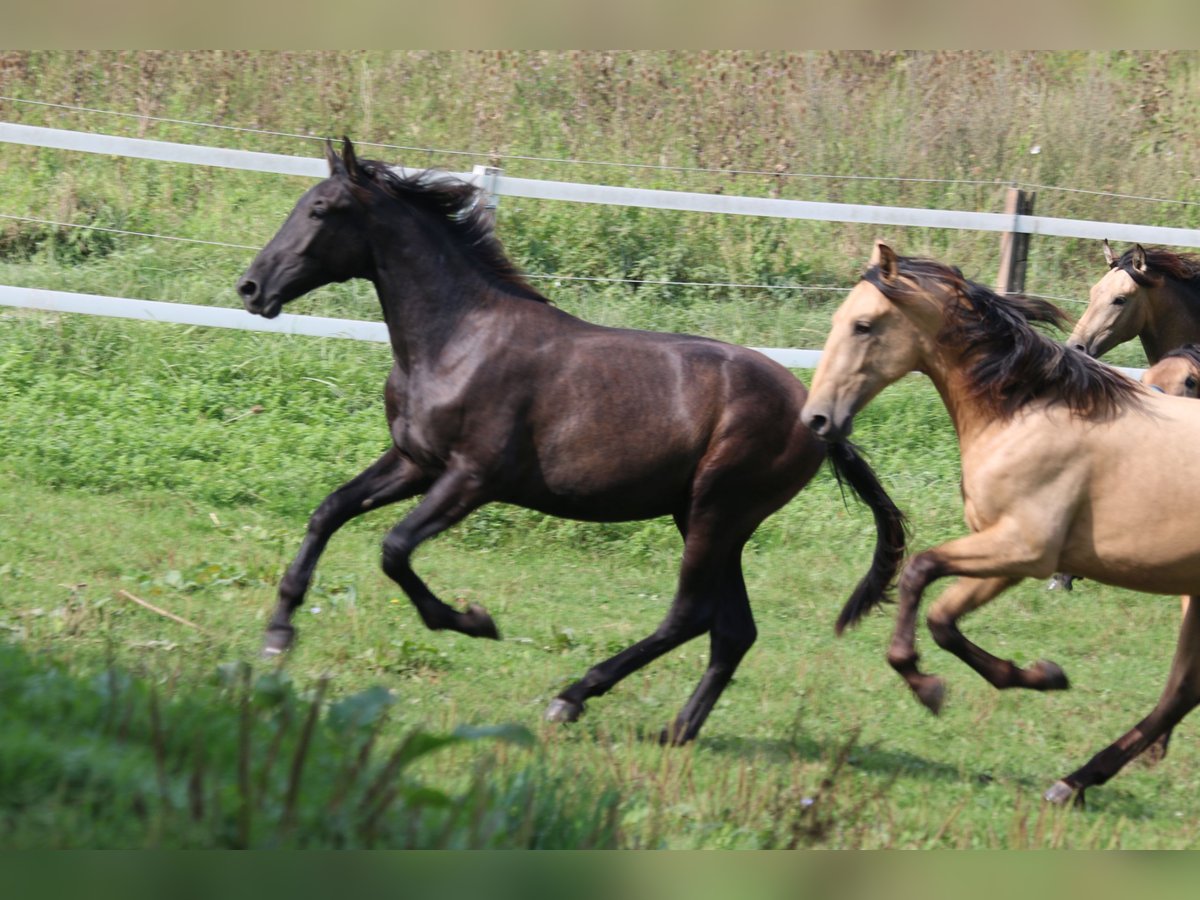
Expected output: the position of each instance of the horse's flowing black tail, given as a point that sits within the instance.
(891, 532)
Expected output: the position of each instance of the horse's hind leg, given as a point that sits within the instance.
(690, 615)
(389, 479)
(710, 596)
(451, 498)
(1157, 752)
(965, 595)
(732, 634)
(1181, 696)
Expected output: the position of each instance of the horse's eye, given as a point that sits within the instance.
(1118, 301)
(317, 212)
(1190, 383)
(862, 327)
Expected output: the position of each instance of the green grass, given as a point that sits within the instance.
(103, 493)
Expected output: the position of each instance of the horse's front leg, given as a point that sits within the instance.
(389, 479)
(991, 560)
(452, 497)
(965, 595)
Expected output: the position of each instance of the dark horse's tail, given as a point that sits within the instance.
(890, 532)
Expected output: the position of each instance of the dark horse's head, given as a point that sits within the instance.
(323, 240)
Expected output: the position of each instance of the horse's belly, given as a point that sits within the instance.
(1152, 545)
(606, 495)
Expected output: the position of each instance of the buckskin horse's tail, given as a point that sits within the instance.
(891, 531)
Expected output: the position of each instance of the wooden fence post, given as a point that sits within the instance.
(1014, 246)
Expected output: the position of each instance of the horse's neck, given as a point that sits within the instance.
(426, 288)
(949, 380)
(1173, 319)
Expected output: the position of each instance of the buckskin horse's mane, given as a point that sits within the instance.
(467, 220)
(1008, 362)
(1180, 267)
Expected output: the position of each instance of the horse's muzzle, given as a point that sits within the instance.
(255, 301)
(824, 427)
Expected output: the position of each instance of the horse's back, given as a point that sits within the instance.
(1131, 510)
(615, 410)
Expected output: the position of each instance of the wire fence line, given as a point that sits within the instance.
(601, 279)
(534, 275)
(699, 170)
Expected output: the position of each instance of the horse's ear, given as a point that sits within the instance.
(884, 257)
(1109, 256)
(1139, 259)
(331, 157)
(350, 161)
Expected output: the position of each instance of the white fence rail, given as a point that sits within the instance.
(680, 201)
(219, 317)
(504, 185)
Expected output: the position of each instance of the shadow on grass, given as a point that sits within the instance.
(866, 758)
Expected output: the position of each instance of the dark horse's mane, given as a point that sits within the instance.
(457, 203)
(1181, 267)
(1009, 363)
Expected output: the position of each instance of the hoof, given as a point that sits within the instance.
(931, 691)
(1061, 793)
(1048, 676)
(277, 642)
(674, 735)
(477, 623)
(561, 710)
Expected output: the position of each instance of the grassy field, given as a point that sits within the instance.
(179, 465)
(119, 478)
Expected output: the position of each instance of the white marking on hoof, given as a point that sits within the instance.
(1060, 792)
(561, 710)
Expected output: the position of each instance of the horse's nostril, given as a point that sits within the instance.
(818, 424)
(1080, 347)
(247, 289)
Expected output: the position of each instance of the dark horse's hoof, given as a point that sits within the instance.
(1061, 793)
(931, 691)
(277, 641)
(561, 710)
(476, 622)
(1048, 676)
(674, 735)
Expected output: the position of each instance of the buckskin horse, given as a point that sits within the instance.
(495, 395)
(1067, 465)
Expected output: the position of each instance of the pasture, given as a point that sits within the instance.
(815, 744)
(179, 465)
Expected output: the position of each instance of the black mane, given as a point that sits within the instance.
(468, 221)
(1009, 363)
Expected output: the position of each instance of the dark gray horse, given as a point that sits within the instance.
(496, 395)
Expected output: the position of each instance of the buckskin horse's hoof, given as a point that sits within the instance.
(1049, 676)
(561, 710)
(477, 623)
(931, 691)
(1061, 793)
(277, 642)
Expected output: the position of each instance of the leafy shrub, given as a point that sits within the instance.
(252, 762)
